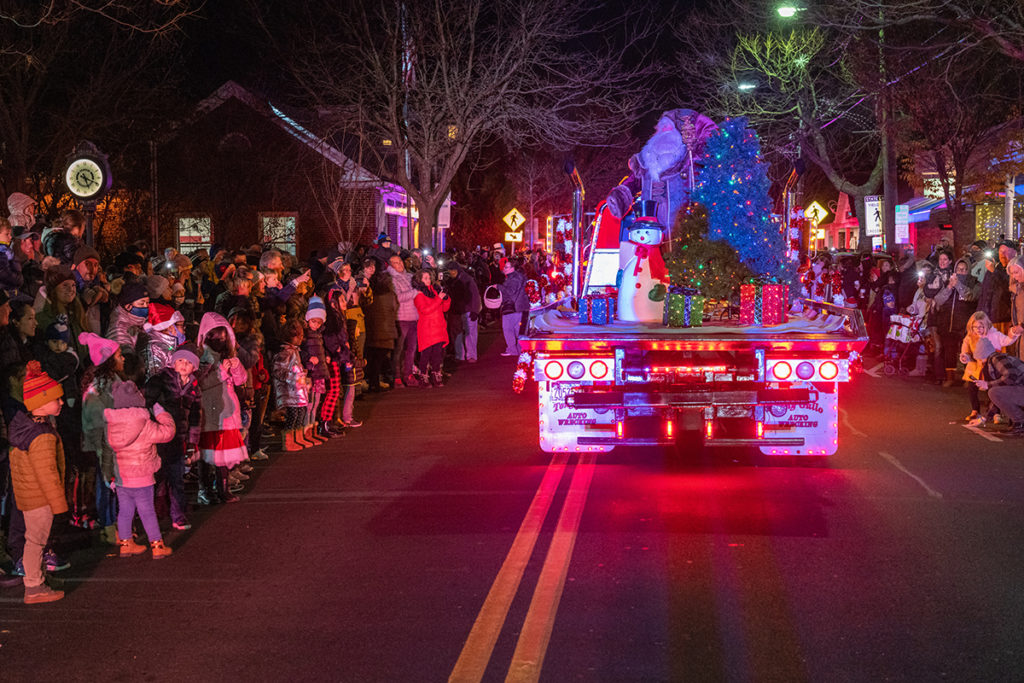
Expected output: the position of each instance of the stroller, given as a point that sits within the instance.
(902, 342)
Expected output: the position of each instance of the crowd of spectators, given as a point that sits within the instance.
(953, 321)
(146, 384)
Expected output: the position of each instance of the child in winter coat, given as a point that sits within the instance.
(134, 436)
(346, 368)
(165, 331)
(99, 382)
(59, 361)
(314, 358)
(431, 328)
(177, 390)
(220, 440)
(979, 326)
(37, 474)
(291, 386)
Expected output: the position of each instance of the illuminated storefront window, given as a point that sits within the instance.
(194, 232)
(277, 230)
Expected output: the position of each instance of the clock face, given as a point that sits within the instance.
(84, 178)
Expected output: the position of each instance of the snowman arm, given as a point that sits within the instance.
(618, 279)
(657, 293)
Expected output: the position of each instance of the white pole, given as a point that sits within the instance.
(1011, 195)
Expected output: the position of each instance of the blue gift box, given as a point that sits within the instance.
(597, 309)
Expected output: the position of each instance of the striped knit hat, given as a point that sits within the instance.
(39, 388)
(316, 309)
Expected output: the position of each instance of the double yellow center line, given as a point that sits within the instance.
(540, 618)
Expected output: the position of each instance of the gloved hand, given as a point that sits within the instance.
(157, 409)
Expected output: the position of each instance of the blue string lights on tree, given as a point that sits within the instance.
(734, 186)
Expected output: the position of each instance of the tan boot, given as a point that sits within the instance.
(129, 547)
(310, 435)
(160, 551)
(288, 443)
(300, 439)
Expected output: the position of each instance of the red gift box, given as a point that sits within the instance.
(763, 304)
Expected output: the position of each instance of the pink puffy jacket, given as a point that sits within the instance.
(133, 437)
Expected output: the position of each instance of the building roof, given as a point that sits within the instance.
(286, 119)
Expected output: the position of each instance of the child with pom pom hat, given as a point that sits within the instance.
(37, 474)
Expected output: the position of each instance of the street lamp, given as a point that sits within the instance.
(788, 11)
(746, 86)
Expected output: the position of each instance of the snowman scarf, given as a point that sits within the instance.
(651, 254)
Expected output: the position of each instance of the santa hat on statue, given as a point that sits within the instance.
(161, 316)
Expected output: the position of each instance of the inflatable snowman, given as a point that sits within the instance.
(644, 279)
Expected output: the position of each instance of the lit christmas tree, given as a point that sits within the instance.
(711, 266)
(733, 186)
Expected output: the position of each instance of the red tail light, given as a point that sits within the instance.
(782, 370)
(709, 428)
(553, 370)
(668, 428)
(598, 369)
(828, 370)
(760, 429)
(618, 430)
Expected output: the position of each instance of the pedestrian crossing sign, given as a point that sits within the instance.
(815, 213)
(514, 220)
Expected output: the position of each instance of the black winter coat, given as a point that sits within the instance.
(313, 347)
(994, 297)
(182, 401)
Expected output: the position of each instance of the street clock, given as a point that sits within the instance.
(87, 173)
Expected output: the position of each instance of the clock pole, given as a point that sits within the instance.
(87, 177)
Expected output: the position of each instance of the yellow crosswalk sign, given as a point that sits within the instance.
(514, 220)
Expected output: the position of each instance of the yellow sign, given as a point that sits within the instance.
(513, 236)
(815, 213)
(514, 220)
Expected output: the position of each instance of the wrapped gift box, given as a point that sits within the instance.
(684, 307)
(597, 309)
(763, 303)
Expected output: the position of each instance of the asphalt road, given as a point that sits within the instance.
(439, 542)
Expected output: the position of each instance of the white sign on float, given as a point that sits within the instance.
(902, 224)
(873, 207)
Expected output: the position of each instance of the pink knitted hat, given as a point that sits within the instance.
(100, 349)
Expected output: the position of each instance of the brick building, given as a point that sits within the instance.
(241, 170)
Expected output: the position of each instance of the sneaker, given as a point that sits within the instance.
(54, 563)
(999, 419)
(181, 526)
(353, 424)
(40, 594)
(259, 455)
(977, 422)
(244, 468)
(19, 569)
(205, 497)
(974, 414)
(234, 488)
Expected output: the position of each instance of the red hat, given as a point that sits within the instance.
(161, 316)
(39, 388)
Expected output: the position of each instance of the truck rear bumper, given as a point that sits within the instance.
(615, 441)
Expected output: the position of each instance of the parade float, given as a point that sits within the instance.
(683, 320)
